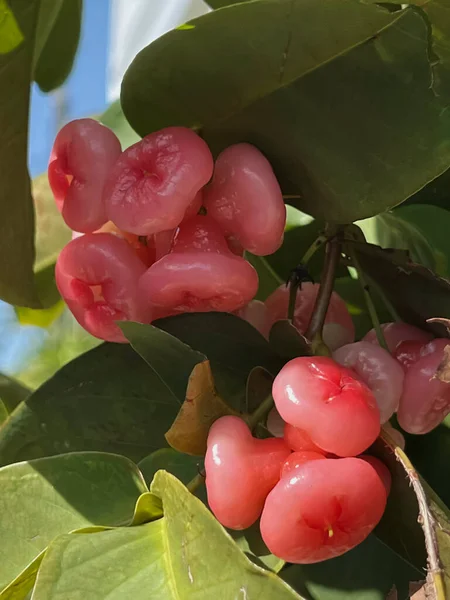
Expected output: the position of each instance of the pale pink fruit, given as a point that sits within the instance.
(425, 401)
(200, 274)
(255, 312)
(322, 509)
(97, 275)
(379, 371)
(275, 424)
(408, 352)
(395, 333)
(245, 198)
(155, 181)
(240, 471)
(327, 401)
(82, 156)
(339, 328)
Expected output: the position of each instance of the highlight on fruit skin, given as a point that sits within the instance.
(82, 156)
(97, 275)
(240, 471)
(322, 509)
(200, 274)
(154, 182)
(327, 401)
(245, 199)
(379, 371)
(339, 328)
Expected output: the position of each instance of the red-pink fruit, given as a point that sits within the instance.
(337, 411)
(200, 274)
(379, 371)
(154, 182)
(296, 459)
(425, 401)
(298, 440)
(382, 470)
(395, 333)
(255, 312)
(97, 274)
(245, 199)
(140, 246)
(240, 471)
(83, 153)
(322, 509)
(408, 352)
(338, 329)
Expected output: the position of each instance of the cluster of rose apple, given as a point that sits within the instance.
(148, 249)
(160, 229)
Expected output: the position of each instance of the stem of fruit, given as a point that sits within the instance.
(196, 482)
(368, 298)
(332, 256)
(262, 411)
(318, 243)
(292, 299)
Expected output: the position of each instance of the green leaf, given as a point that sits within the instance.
(222, 3)
(180, 465)
(106, 400)
(114, 118)
(434, 223)
(416, 293)
(390, 230)
(16, 208)
(251, 543)
(186, 554)
(287, 341)
(232, 346)
(10, 34)
(12, 393)
(281, 74)
(368, 572)
(55, 59)
(21, 585)
(44, 498)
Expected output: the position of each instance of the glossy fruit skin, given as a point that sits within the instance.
(339, 328)
(337, 411)
(97, 274)
(299, 441)
(154, 182)
(382, 470)
(395, 333)
(425, 401)
(244, 197)
(379, 371)
(82, 156)
(200, 274)
(240, 471)
(407, 353)
(296, 459)
(322, 509)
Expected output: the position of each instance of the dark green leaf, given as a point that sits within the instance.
(268, 279)
(415, 292)
(287, 341)
(47, 497)
(250, 541)
(232, 346)
(222, 3)
(57, 56)
(390, 230)
(434, 223)
(259, 386)
(11, 394)
(368, 572)
(16, 207)
(114, 118)
(281, 74)
(106, 400)
(182, 466)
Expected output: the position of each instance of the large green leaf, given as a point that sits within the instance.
(434, 223)
(10, 34)
(232, 346)
(186, 554)
(106, 400)
(16, 207)
(114, 118)
(390, 230)
(319, 86)
(57, 54)
(368, 572)
(11, 394)
(47, 497)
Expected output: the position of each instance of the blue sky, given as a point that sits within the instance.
(85, 92)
